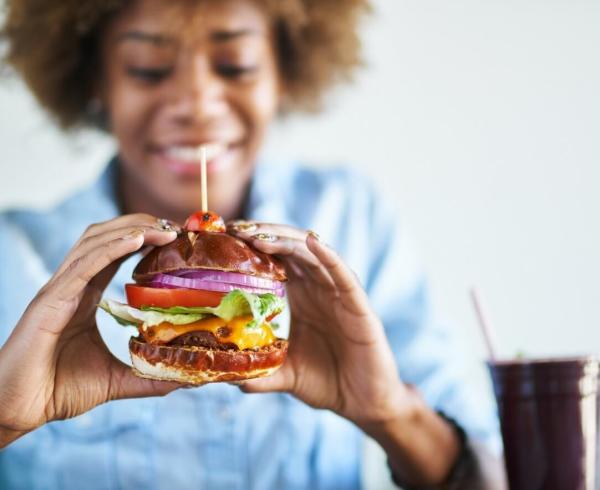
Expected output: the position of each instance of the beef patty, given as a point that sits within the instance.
(202, 338)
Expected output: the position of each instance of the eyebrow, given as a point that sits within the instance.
(222, 36)
(156, 39)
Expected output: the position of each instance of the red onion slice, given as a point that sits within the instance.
(229, 278)
(172, 281)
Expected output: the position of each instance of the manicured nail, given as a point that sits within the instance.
(315, 235)
(133, 234)
(266, 237)
(244, 226)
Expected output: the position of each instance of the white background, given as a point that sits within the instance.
(480, 118)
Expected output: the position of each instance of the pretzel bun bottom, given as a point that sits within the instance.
(200, 365)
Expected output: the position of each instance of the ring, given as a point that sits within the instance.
(265, 237)
(165, 225)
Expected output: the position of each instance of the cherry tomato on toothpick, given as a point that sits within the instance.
(205, 221)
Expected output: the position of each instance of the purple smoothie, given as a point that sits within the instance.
(548, 415)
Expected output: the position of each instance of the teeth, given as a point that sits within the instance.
(194, 153)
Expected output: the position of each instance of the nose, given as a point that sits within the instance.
(199, 94)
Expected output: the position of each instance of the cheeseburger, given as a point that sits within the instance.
(203, 306)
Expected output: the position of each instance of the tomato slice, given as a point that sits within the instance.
(138, 296)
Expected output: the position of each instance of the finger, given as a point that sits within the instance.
(294, 250)
(125, 384)
(271, 232)
(88, 243)
(295, 273)
(60, 298)
(82, 270)
(344, 279)
(246, 229)
(136, 219)
(101, 281)
(281, 380)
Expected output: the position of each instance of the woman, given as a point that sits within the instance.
(165, 78)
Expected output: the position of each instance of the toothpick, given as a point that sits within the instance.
(203, 178)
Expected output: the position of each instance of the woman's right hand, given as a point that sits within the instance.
(54, 364)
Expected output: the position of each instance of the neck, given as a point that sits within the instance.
(135, 198)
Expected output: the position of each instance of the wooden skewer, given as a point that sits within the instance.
(203, 178)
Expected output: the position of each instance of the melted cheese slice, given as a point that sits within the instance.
(233, 331)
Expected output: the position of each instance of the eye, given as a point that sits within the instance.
(235, 71)
(149, 75)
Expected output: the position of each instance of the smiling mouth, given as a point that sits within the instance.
(193, 154)
(186, 159)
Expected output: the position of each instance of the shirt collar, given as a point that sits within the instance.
(267, 201)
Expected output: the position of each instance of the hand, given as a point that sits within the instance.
(55, 364)
(339, 357)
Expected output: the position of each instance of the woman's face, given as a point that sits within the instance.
(178, 75)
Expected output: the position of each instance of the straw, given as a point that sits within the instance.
(203, 178)
(485, 324)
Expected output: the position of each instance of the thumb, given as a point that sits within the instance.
(280, 380)
(128, 385)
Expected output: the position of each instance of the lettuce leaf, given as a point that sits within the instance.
(234, 304)
(127, 315)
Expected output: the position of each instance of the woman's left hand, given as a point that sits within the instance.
(339, 357)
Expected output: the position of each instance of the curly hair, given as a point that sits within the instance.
(53, 45)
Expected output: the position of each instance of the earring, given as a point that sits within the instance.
(94, 107)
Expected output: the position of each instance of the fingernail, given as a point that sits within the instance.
(265, 237)
(133, 234)
(315, 235)
(163, 224)
(244, 226)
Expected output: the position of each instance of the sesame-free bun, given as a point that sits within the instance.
(200, 365)
(207, 250)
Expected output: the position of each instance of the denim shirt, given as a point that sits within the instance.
(217, 437)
